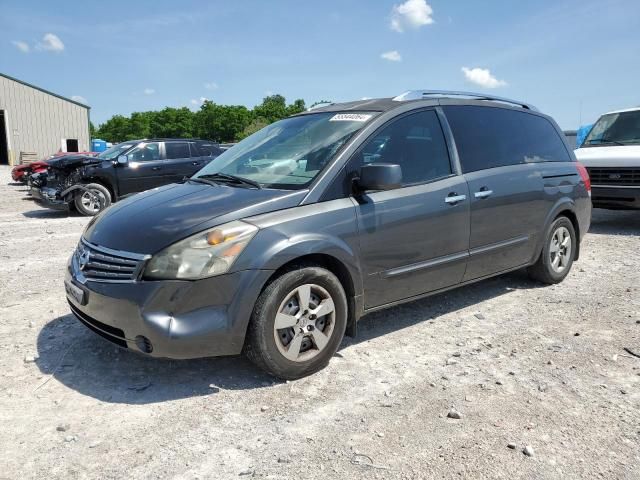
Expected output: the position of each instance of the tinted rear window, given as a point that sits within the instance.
(489, 137)
(176, 150)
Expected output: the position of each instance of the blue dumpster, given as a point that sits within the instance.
(98, 145)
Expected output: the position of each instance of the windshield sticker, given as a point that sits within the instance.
(350, 117)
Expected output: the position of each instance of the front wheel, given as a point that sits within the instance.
(557, 254)
(298, 323)
(92, 199)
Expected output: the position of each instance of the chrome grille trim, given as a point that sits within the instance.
(624, 176)
(101, 264)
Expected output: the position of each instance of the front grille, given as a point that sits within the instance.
(106, 265)
(112, 334)
(614, 176)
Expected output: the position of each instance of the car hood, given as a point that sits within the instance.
(73, 161)
(609, 156)
(152, 220)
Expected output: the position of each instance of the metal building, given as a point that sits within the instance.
(36, 123)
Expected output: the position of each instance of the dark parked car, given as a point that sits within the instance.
(279, 245)
(92, 183)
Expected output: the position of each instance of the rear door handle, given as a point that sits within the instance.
(196, 163)
(156, 168)
(452, 199)
(483, 193)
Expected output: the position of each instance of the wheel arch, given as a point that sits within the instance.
(336, 266)
(563, 207)
(101, 181)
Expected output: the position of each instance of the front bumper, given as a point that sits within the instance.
(618, 197)
(49, 198)
(168, 318)
(18, 175)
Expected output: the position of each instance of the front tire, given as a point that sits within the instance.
(92, 200)
(298, 323)
(558, 253)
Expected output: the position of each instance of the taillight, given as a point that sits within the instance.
(584, 174)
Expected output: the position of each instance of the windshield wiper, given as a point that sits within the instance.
(199, 180)
(230, 178)
(605, 142)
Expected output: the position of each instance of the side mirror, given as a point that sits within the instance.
(380, 176)
(123, 160)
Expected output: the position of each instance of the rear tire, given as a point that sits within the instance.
(298, 323)
(558, 252)
(92, 200)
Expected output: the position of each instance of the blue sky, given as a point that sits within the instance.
(572, 59)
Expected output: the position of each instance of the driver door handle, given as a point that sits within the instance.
(483, 193)
(452, 199)
(156, 168)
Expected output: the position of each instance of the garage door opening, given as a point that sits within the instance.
(4, 145)
(72, 145)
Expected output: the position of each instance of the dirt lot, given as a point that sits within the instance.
(524, 364)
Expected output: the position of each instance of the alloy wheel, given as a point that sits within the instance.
(91, 200)
(304, 323)
(560, 249)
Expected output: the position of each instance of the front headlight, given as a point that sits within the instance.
(205, 254)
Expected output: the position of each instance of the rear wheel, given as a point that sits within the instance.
(298, 323)
(557, 254)
(92, 199)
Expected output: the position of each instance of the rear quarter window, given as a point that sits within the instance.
(489, 137)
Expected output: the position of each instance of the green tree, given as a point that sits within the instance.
(172, 123)
(115, 130)
(223, 123)
(140, 124)
(296, 107)
(255, 125)
(272, 108)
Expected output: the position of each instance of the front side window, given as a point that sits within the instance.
(175, 150)
(415, 142)
(489, 137)
(115, 151)
(290, 153)
(145, 152)
(615, 128)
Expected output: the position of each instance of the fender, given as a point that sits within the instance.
(283, 249)
(561, 205)
(73, 188)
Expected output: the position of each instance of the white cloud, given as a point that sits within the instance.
(148, 91)
(199, 101)
(22, 46)
(482, 77)
(79, 98)
(211, 85)
(411, 14)
(51, 43)
(392, 56)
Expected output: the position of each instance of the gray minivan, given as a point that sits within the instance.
(282, 243)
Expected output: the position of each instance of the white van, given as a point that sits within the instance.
(611, 153)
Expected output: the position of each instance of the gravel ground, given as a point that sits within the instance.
(523, 365)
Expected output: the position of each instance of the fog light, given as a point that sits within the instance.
(144, 344)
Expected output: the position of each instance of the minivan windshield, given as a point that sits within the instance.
(615, 129)
(113, 152)
(290, 153)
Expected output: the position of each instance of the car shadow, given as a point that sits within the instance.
(91, 365)
(44, 213)
(430, 308)
(615, 222)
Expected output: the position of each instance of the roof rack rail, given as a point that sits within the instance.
(320, 105)
(421, 94)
